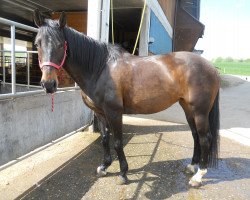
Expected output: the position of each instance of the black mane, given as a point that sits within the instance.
(115, 52)
(90, 54)
(83, 50)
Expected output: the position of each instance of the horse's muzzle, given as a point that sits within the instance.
(49, 86)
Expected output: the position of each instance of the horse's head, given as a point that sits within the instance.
(51, 45)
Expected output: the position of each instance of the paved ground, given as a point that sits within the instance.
(235, 111)
(157, 153)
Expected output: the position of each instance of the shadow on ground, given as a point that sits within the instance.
(76, 177)
(143, 130)
(169, 178)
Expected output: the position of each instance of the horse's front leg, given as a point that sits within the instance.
(115, 121)
(107, 160)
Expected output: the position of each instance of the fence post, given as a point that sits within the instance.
(3, 65)
(28, 70)
(13, 63)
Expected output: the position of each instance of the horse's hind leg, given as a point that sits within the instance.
(191, 168)
(101, 170)
(202, 127)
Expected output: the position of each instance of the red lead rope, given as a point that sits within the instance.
(60, 77)
(52, 102)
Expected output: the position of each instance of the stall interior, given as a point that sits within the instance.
(126, 25)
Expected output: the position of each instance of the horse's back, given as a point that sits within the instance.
(197, 69)
(154, 83)
(193, 63)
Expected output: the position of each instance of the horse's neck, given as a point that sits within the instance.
(76, 74)
(81, 65)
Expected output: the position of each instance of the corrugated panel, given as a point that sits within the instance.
(187, 28)
(162, 41)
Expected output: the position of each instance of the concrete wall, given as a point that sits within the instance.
(6, 88)
(27, 123)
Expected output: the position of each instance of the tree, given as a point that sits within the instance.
(229, 59)
(219, 59)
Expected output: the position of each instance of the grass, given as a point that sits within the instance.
(233, 67)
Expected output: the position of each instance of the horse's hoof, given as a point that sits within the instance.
(190, 169)
(122, 180)
(194, 184)
(101, 172)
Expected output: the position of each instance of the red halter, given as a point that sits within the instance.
(54, 64)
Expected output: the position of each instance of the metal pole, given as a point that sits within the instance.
(30, 93)
(105, 21)
(13, 63)
(18, 25)
(93, 23)
(28, 70)
(3, 65)
(20, 51)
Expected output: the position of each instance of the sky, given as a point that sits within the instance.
(227, 29)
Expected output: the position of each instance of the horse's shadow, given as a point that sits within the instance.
(169, 177)
(142, 130)
(76, 177)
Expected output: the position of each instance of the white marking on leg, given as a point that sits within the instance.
(197, 178)
(101, 172)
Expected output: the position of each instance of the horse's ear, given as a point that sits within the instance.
(62, 20)
(38, 18)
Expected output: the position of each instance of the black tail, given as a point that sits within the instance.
(214, 123)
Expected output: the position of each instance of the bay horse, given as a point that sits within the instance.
(114, 82)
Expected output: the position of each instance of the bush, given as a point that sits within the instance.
(219, 59)
(229, 59)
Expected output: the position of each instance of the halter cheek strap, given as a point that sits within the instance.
(54, 64)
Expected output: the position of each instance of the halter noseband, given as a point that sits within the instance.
(54, 64)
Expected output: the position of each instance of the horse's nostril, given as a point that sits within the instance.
(49, 86)
(54, 83)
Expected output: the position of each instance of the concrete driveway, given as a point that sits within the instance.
(157, 153)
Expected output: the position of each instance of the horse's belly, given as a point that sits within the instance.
(150, 103)
(150, 89)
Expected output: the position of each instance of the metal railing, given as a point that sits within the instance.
(13, 93)
(27, 62)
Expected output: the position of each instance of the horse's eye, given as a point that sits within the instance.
(36, 45)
